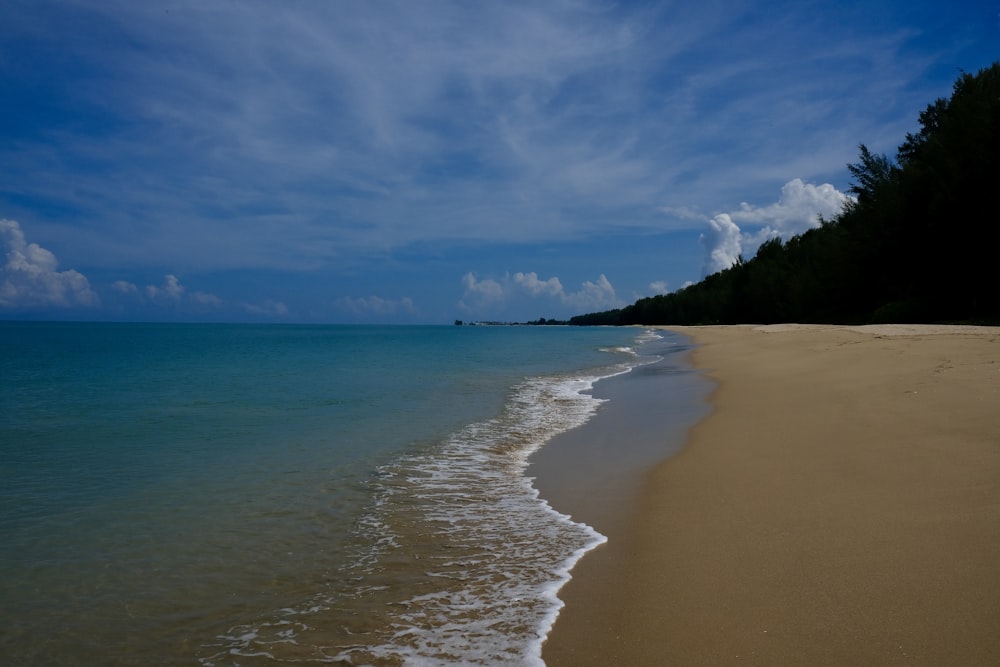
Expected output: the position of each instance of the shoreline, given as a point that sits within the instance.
(594, 472)
(840, 505)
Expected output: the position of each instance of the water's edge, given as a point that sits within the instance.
(595, 473)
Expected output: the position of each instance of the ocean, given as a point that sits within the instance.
(201, 494)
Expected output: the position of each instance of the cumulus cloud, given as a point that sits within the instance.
(593, 295)
(491, 295)
(658, 287)
(480, 292)
(797, 210)
(722, 243)
(535, 287)
(29, 275)
(171, 289)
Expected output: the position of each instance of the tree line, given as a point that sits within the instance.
(918, 243)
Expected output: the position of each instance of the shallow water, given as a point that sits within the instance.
(261, 494)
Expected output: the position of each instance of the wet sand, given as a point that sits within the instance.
(841, 505)
(595, 472)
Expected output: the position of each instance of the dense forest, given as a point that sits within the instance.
(917, 244)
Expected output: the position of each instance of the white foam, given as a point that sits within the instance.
(494, 555)
(517, 552)
(624, 349)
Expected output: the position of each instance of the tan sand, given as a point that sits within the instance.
(841, 506)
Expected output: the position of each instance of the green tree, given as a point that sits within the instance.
(872, 175)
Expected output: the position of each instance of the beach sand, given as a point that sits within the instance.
(841, 505)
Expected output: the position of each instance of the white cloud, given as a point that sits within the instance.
(593, 295)
(659, 287)
(29, 275)
(480, 293)
(797, 210)
(722, 244)
(535, 287)
(171, 289)
(493, 295)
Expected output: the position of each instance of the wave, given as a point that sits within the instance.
(462, 560)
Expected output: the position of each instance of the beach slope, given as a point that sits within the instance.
(841, 505)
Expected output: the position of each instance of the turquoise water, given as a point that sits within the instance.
(240, 494)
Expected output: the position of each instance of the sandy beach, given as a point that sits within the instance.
(840, 505)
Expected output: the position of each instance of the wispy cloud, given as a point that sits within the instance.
(327, 139)
(321, 130)
(206, 299)
(268, 308)
(125, 287)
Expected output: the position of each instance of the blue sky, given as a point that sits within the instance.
(418, 162)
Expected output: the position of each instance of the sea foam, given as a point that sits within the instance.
(465, 560)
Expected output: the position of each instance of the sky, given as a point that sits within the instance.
(339, 161)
